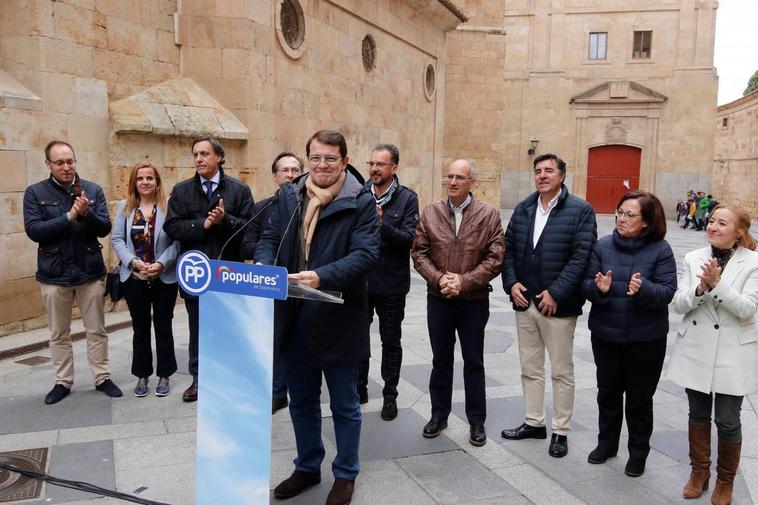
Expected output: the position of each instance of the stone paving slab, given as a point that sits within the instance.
(91, 462)
(455, 477)
(152, 439)
(28, 413)
(382, 440)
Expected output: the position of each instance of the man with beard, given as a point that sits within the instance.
(390, 280)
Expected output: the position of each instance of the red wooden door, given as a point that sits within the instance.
(612, 171)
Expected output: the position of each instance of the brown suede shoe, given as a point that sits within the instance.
(341, 493)
(190, 394)
(296, 484)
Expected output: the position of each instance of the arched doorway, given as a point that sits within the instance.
(612, 171)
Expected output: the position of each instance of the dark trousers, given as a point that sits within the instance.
(304, 382)
(632, 370)
(279, 383)
(390, 310)
(142, 297)
(726, 410)
(444, 318)
(192, 304)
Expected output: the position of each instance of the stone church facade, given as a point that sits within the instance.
(622, 90)
(132, 80)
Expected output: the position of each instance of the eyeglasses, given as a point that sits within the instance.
(452, 177)
(378, 164)
(292, 170)
(329, 160)
(60, 163)
(629, 215)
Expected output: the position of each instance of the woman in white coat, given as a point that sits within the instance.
(715, 356)
(147, 257)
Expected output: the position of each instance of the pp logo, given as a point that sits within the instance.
(194, 272)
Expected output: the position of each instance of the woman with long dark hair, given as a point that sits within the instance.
(147, 257)
(630, 280)
(715, 357)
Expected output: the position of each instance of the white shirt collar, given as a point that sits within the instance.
(215, 179)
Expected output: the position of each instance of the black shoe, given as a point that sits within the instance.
(600, 454)
(278, 404)
(296, 484)
(389, 409)
(635, 467)
(478, 436)
(558, 446)
(525, 431)
(58, 393)
(434, 427)
(109, 388)
(362, 396)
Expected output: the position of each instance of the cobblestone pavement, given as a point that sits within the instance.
(149, 443)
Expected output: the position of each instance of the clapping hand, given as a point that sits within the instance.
(216, 216)
(710, 275)
(634, 284)
(603, 282)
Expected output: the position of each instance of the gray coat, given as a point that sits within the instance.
(166, 248)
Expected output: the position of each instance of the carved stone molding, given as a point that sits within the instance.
(616, 132)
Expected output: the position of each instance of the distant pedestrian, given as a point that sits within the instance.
(702, 209)
(681, 210)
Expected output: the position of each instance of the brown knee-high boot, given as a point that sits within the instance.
(726, 468)
(700, 459)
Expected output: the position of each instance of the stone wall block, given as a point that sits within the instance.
(91, 97)
(22, 51)
(57, 93)
(232, 9)
(167, 49)
(37, 18)
(235, 33)
(65, 57)
(156, 114)
(113, 66)
(124, 9)
(80, 25)
(132, 38)
(159, 14)
(206, 62)
(260, 11)
(12, 208)
(36, 169)
(13, 170)
(236, 62)
(22, 259)
(90, 134)
(20, 297)
(21, 130)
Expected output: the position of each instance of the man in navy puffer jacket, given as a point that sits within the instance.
(547, 245)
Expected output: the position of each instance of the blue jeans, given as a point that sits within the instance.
(304, 384)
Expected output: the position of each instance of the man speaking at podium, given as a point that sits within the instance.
(325, 231)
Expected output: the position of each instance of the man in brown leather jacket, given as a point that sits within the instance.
(459, 248)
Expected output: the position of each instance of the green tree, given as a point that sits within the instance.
(752, 84)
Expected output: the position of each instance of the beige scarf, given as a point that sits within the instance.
(319, 198)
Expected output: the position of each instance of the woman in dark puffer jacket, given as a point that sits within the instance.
(630, 280)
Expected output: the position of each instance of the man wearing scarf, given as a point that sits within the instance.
(325, 231)
(390, 281)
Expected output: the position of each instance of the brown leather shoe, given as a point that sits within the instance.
(296, 484)
(341, 493)
(190, 394)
